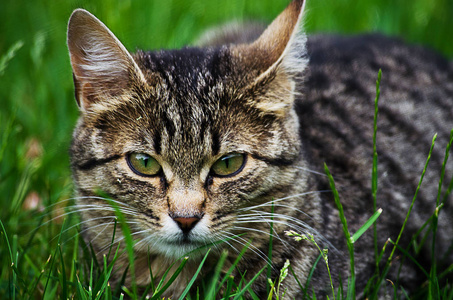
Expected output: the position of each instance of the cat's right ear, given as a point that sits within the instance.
(102, 67)
(275, 61)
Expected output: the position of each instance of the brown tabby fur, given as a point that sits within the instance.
(189, 107)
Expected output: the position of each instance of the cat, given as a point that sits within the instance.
(214, 143)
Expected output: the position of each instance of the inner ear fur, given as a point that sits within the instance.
(102, 67)
(274, 60)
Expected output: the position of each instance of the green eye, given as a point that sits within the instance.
(143, 164)
(228, 165)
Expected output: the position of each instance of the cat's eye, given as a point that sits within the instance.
(143, 164)
(228, 165)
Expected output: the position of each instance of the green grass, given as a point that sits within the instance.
(41, 259)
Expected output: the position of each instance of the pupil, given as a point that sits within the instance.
(227, 163)
(145, 162)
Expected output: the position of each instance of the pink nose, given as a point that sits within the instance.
(186, 224)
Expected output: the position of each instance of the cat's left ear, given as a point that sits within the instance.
(275, 59)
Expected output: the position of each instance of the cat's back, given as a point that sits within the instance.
(336, 108)
(336, 111)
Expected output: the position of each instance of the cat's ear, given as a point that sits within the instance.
(102, 67)
(277, 57)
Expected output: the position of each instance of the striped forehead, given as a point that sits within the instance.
(187, 70)
(192, 87)
(186, 124)
(185, 133)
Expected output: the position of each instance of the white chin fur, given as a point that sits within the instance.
(171, 242)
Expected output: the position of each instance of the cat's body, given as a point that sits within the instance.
(337, 111)
(187, 109)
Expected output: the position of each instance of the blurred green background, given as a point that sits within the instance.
(37, 107)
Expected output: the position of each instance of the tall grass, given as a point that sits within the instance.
(41, 259)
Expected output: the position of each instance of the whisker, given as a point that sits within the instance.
(300, 225)
(252, 247)
(116, 241)
(225, 239)
(87, 197)
(311, 171)
(90, 228)
(83, 209)
(281, 199)
(295, 224)
(104, 207)
(270, 204)
(103, 229)
(79, 207)
(273, 235)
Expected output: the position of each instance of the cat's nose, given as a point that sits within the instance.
(187, 224)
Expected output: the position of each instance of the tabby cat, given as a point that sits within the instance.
(214, 143)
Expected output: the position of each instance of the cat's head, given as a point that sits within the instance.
(182, 140)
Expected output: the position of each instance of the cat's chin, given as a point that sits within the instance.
(179, 249)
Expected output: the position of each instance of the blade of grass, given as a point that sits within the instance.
(389, 259)
(53, 293)
(368, 223)
(374, 172)
(7, 243)
(349, 243)
(310, 275)
(108, 293)
(108, 268)
(215, 277)
(253, 295)
(442, 172)
(194, 277)
(248, 285)
(446, 272)
(20, 282)
(6, 134)
(37, 280)
(94, 258)
(129, 243)
(113, 238)
(433, 288)
(230, 282)
(269, 254)
(90, 287)
(75, 253)
(118, 287)
(63, 282)
(407, 254)
(14, 264)
(340, 288)
(233, 266)
(81, 292)
(6, 58)
(54, 258)
(448, 192)
(415, 196)
(151, 284)
(170, 281)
